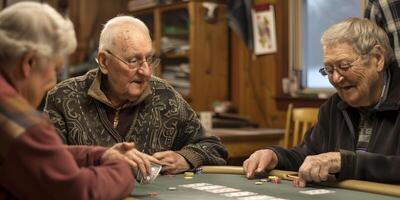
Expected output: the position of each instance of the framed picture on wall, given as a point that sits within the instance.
(264, 33)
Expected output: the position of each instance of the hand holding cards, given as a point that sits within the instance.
(155, 170)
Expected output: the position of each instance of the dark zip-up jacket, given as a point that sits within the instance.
(336, 131)
(34, 164)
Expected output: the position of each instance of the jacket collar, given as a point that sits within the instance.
(96, 92)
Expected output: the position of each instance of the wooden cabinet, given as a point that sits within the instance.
(194, 51)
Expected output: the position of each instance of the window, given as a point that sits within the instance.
(308, 20)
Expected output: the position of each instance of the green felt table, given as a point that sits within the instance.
(283, 190)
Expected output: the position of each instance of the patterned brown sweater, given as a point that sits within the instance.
(159, 120)
(34, 164)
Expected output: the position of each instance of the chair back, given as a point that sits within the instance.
(298, 121)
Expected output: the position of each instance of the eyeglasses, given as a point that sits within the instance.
(340, 68)
(152, 61)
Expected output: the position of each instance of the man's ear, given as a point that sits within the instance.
(380, 57)
(27, 61)
(102, 60)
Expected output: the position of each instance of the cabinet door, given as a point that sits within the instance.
(208, 57)
(175, 47)
(193, 51)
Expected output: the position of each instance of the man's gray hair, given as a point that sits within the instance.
(35, 26)
(362, 34)
(110, 30)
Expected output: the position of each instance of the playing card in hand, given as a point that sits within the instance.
(155, 170)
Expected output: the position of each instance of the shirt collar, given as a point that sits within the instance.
(386, 82)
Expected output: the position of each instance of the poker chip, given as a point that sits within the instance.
(188, 174)
(276, 180)
(258, 183)
(172, 188)
(272, 177)
(152, 194)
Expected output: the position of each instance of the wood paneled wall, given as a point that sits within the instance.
(88, 17)
(256, 79)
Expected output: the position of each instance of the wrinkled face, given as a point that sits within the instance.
(127, 83)
(43, 77)
(359, 85)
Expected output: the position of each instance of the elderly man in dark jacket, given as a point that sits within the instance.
(358, 130)
(34, 164)
(121, 101)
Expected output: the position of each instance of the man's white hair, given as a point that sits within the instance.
(35, 26)
(361, 33)
(110, 30)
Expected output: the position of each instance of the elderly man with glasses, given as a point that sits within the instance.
(34, 164)
(122, 102)
(357, 135)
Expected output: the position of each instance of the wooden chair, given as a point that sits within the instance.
(298, 121)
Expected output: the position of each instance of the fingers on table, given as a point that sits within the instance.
(257, 163)
(167, 157)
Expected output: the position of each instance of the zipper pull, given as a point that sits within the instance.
(116, 119)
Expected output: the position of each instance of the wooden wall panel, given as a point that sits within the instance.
(255, 79)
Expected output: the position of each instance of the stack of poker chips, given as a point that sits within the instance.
(274, 179)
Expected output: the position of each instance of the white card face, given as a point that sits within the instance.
(239, 194)
(316, 192)
(194, 185)
(209, 187)
(259, 197)
(223, 190)
(155, 170)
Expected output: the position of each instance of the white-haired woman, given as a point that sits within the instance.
(34, 40)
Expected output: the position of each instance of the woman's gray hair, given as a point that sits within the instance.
(35, 26)
(109, 30)
(362, 34)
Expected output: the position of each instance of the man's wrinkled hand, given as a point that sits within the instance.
(260, 161)
(172, 162)
(318, 168)
(136, 159)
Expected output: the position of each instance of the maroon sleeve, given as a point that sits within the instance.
(86, 155)
(38, 166)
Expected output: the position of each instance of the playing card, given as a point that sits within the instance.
(239, 194)
(155, 170)
(317, 191)
(259, 197)
(223, 190)
(194, 185)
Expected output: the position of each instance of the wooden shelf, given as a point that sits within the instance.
(176, 55)
(284, 100)
(207, 54)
